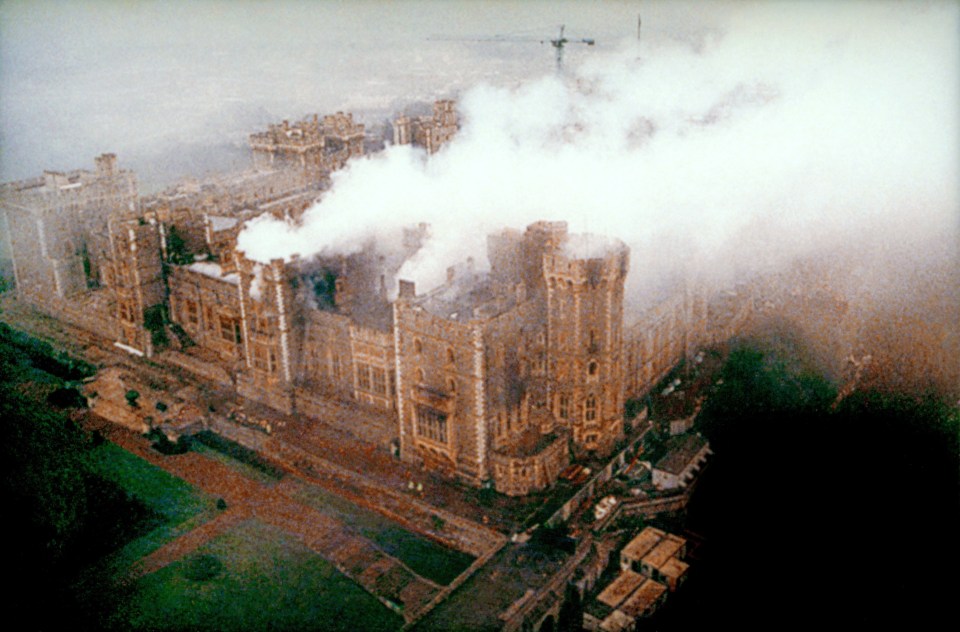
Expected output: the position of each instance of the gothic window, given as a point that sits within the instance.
(335, 367)
(431, 424)
(452, 385)
(592, 368)
(590, 409)
(417, 346)
(564, 406)
(450, 357)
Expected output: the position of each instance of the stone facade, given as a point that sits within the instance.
(313, 145)
(429, 132)
(58, 227)
(497, 378)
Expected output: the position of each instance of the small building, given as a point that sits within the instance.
(657, 555)
(679, 466)
(644, 601)
(618, 607)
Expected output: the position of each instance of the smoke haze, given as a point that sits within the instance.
(781, 130)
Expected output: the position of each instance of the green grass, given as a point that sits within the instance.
(182, 506)
(266, 579)
(424, 557)
(172, 497)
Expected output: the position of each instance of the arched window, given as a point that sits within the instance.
(593, 368)
(452, 385)
(417, 346)
(450, 357)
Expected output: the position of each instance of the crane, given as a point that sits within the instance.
(560, 41)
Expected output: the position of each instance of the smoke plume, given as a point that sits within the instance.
(787, 130)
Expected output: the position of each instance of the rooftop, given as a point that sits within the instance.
(620, 588)
(642, 598)
(466, 297)
(643, 543)
(667, 548)
(681, 451)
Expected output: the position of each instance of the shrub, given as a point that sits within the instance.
(132, 397)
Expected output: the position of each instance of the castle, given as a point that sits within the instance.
(496, 377)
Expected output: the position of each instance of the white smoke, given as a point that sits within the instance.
(791, 127)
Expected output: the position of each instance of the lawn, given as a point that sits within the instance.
(424, 557)
(182, 506)
(254, 577)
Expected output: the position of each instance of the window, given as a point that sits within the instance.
(363, 376)
(420, 376)
(126, 311)
(265, 358)
(335, 367)
(379, 381)
(230, 329)
(592, 368)
(564, 406)
(417, 346)
(263, 323)
(191, 313)
(452, 385)
(450, 357)
(590, 409)
(431, 424)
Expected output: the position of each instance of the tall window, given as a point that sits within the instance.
(417, 346)
(335, 367)
(564, 406)
(590, 409)
(363, 376)
(431, 424)
(191, 313)
(230, 329)
(379, 381)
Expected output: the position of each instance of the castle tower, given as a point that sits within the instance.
(584, 279)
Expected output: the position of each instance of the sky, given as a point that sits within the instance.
(734, 135)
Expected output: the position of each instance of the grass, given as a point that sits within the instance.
(182, 507)
(256, 577)
(424, 557)
(172, 497)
